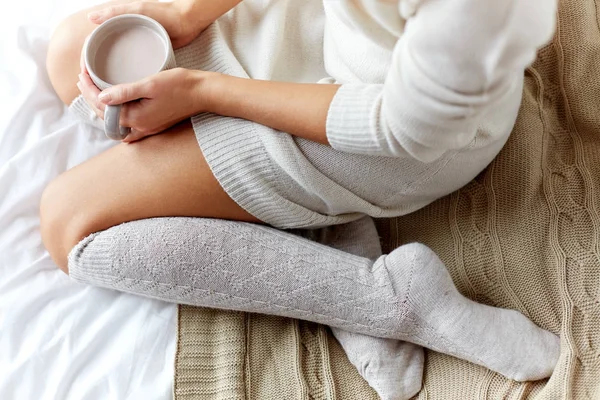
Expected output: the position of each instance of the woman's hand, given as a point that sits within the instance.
(88, 90)
(183, 20)
(153, 104)
(174, 16)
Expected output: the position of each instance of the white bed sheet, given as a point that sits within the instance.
(60, 340)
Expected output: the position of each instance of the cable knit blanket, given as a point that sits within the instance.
(525, 234)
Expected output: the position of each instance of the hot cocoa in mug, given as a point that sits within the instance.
(125, 49)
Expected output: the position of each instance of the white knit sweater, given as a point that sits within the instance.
(430, 92)
(442, 65)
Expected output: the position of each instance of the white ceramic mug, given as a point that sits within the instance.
(109, 28)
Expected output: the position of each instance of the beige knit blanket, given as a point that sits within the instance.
(525, 234)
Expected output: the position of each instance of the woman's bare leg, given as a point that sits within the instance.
(162, 175)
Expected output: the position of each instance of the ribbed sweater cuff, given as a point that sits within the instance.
(351, 125)
(80, 108)
(358, 122)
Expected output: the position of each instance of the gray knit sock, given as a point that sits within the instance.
(406, 295)
(392, 367)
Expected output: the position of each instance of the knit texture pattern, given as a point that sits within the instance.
(290, 183)
(523, 235)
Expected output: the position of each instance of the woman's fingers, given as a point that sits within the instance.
(120, 94)
(82, 61)
(135, 135)
(136, 115)
(104, 14)
(82, 58)
(88, 89)
(139, 7)
(90, 93)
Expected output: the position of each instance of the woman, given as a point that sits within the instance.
(414, 99)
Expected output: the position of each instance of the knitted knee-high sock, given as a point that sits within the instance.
(406, 295)
(392, 367)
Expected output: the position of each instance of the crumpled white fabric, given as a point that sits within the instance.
(408, 8)
(60, 340)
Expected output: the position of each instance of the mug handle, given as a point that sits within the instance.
(113, 130)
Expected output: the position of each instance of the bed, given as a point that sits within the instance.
(60, 340)
(522, 235)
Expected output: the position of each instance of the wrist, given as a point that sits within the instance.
(204, 86)
(207, 11)
(187, 8)
(188, 13)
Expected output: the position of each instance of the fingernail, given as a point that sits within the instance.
(94, 15)
(79, 86)
(104, 97)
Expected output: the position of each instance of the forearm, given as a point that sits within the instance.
(296, 108)
(207, 10)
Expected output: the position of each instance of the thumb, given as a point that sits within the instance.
(120, 94)
(103, 14)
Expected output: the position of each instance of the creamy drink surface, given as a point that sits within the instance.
(129, 55)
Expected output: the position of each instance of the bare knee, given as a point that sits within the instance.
(64, 52)
(64, 220)
(72, 207)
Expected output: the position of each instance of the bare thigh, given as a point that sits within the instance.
(162, 175)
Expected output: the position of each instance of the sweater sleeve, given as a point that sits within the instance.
(455, 59)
